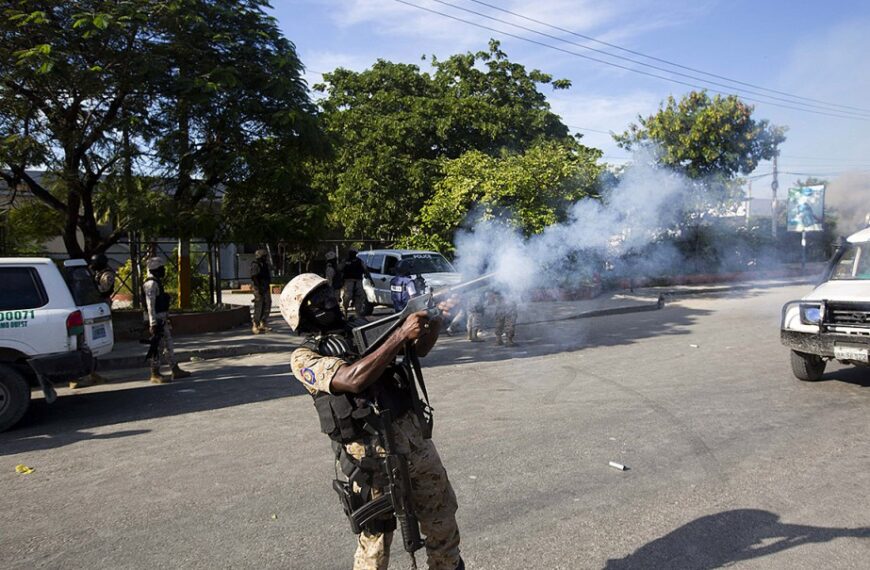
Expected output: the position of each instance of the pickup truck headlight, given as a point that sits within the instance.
(811, 314)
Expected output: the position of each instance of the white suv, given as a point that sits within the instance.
(833, 321)
(53, 324)
(381, 268)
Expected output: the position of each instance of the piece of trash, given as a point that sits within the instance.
(196, 358)
(616, 465)
(472, 476)
(23, 469)
(274, 517)
(695, 346)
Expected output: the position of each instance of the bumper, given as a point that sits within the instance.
(821, 344)
(63, 366)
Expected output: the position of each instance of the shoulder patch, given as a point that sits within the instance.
(308, 376)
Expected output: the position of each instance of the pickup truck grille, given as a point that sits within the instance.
(851, 315)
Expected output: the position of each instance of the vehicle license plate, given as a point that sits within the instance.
(99, 332)
(857, 353)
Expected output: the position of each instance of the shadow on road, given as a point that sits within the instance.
(568, 336)
(859, 376)
(68, 420)
(717, 540)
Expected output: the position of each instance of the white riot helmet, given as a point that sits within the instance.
(155, 263)
(293, 295)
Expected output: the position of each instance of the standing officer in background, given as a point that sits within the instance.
(156, 302)
(353, 274)
(347, 389)
(404, 286)
(333, 275)
(505, 318)
(261, 277)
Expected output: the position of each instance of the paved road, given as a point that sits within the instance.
(731, 461)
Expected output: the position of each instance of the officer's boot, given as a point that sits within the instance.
(255, 329)
(178, 373)
(83, 382)
(264, 328)
(156, 377)
(498, 340)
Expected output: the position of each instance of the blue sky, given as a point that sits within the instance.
(819, 50)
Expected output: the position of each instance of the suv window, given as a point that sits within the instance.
(82, 286)
(374, 262)
(854, 263)
(427, 263)
(22, 289)
(390, 265)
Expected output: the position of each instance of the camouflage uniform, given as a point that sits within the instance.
(475, 310)
(432, 495)
(505, 320)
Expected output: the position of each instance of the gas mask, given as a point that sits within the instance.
(322, 312)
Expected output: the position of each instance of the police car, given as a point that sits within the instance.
(53, 324)
(833, 321)
(381, 268)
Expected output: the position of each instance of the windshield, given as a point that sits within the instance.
(854, 263)
(82, 286)
(427, 263)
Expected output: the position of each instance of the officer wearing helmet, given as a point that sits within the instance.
(346, 387)
(261, 278)
(156, 300)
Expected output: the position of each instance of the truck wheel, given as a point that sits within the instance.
(807, 367)
(14, 396)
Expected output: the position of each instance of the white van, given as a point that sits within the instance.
(381, 268)
(833, 321)
(53, 324)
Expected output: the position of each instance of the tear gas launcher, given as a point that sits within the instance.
(370, 336)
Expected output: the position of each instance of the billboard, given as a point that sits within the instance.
(806, 209)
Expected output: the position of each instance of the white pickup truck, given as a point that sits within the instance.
(833, 321)
(53, 324)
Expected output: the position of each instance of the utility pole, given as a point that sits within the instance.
(774, 185)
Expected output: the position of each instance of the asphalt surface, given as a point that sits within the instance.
(731, 461)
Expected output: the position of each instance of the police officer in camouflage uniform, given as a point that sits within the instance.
(156, 304)
(347, 388)
(505, 318)
(261, 278)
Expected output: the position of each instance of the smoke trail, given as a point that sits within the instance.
(646, 201)
(849, 197)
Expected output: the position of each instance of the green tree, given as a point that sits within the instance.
(70, 79)
(703, 137)
(391, 124)
(189, 87)
(530, 191)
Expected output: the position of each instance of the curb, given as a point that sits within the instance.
(128, 362)
(660, 303)
(735, 287)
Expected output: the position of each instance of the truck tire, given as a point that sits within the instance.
(14, 396)
(807, 367)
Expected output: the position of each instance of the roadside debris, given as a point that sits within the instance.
(616, 465)
(694, 346)
(23, 469)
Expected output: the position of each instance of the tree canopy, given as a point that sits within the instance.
(391, 124)
(186, 88)
(703, 137)
(529, 191)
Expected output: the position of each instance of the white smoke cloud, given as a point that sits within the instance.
(849, 197)
(646, 201)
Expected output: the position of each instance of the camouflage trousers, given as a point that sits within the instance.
(431, 496)
(505, 323)
(353, 292)
(166, 350)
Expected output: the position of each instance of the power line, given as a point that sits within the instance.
(638, 71)
(665, 61)
(810, 107)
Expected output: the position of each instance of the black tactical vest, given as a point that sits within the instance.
(344, 417)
